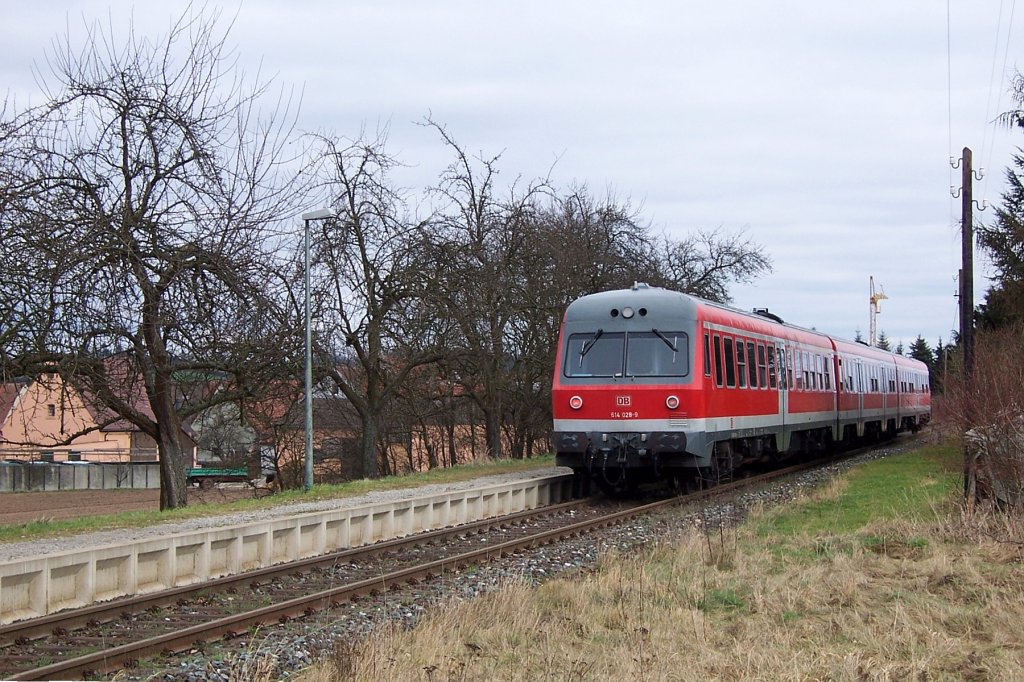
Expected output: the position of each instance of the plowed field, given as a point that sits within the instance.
(66, 504)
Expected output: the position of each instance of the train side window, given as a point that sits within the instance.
(828, 372)
(782, 369)
(762, 367)
(741, 363)
(707, 354)
(821, 371)
(772, 381)
(789, 368)
(718, 360)
(751, 365)
(808, 371)
(730, 363)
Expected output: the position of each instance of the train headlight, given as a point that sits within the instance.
(575, 402)
(672, 402)
(627, 312)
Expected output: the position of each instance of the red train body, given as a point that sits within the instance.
(653, 385)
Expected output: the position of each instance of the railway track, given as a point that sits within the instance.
(108, 637)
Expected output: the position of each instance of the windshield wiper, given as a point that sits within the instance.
(590, 344)
(665, 339)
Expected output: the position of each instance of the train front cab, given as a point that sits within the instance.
(625, 394)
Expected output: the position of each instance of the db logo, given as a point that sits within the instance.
(623, 400)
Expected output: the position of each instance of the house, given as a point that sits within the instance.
(278, 423)
(49, 420)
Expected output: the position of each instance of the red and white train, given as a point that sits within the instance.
(655, 385)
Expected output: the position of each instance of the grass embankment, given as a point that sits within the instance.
(876, 576)
(136, 519)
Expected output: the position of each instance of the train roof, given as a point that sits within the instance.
(597, 306)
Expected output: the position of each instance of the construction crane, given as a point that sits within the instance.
(875, 298)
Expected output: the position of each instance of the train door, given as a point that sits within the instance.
(783, 384)
(859, 388)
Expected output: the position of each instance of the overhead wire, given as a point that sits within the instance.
(991, 82)
(953, 222)
(1000, 91)
(949, 106)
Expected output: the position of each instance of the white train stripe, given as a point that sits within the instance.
(714, 424)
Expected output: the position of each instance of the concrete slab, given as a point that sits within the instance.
(45, 584)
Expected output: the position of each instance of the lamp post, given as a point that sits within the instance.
(307, 218)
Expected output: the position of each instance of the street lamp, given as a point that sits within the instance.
(307, 218)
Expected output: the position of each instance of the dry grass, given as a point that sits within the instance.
(923, 605)
(939, 597)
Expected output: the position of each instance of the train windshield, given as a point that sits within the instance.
(657, 354)
(598, 354)
(643, 354)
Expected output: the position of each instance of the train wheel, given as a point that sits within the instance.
(686, 481)
(580, 483)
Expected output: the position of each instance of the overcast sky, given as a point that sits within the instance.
(823, 129)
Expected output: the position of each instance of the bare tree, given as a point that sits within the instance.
(596, 244)
(150, 180)
(477, 256)
(705, 263)
(369, 276)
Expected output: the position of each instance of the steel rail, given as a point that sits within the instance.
(127, 655)
(20, 631)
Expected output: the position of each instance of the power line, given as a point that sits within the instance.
(999, 98)
(991, 80)
(949, 101)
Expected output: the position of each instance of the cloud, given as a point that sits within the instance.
(822, 129)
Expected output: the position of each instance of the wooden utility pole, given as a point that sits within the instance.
(967, 273)
(967, 314)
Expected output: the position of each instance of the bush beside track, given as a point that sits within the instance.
(876, 576)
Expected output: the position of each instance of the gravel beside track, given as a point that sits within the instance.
(294, 646)
(71, 499)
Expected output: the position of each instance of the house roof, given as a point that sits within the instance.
(99, 413)
(8, 396)
(330, 412)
